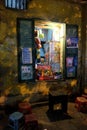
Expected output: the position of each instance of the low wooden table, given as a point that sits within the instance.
(55, 97)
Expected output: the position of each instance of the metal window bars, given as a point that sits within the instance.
(16, 4)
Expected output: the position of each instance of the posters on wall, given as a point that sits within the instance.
(26, 55)
(71, 56)
(71, 71)
(71, 64)
(72, 42)
(71, 61)
(71, 50)
(25, 52)
(26, 72)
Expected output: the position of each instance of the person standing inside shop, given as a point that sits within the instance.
(38, 45)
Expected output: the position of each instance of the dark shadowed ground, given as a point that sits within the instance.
(55, 120)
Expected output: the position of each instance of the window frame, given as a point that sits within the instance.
(64, 74)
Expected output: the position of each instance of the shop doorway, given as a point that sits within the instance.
(46, 50)
(50, 49)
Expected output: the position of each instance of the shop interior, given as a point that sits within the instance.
(50, 49)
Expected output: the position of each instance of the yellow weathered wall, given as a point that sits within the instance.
(54, 10)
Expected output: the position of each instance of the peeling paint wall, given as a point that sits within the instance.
(53, 10)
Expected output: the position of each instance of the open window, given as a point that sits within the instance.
(46, 50)
(49, 63)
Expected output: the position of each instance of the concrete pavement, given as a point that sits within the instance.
(56, 120)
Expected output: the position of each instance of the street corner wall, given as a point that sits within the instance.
(55, 10)
(52, 10)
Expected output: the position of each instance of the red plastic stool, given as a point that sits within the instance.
(84, 95)
(25, 107)
(31, 122)
(81, 104)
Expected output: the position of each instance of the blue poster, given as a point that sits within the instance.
(26, 55)
(71, 72)
(72, 42)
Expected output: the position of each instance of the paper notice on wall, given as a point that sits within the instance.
(71, 71)
(72, 42)
(26, 72)
(26, 55)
